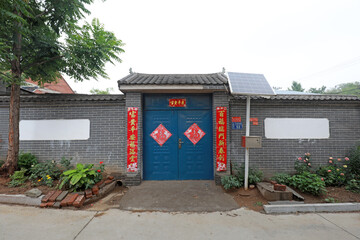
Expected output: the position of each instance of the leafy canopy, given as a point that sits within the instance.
(44, 36)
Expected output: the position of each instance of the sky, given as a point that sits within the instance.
(313, 42)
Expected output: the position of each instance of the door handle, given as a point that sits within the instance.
(180, 142)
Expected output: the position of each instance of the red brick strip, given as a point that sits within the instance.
(54, 196)
(69, 199)
(79, 201)
(47, 196)
(88, 193)
(95, 190)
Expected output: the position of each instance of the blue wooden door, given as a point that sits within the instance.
(178, 158)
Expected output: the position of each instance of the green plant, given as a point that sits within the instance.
(230, 182)
(27, 160)
(1, 162)
(354, 164)
(303, 164)
(308, 182)
(353, 185)
(281, 178)
(65, 163)
(331, 200)
(44, 173)
(18, 178)
(82, 177)
(258, 204)
(332, 175)
(255, 175)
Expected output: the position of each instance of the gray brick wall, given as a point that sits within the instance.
(107, 128)
(135, 100)
(279, 155)
(220, 99)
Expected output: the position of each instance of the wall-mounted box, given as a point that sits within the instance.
(251, 141)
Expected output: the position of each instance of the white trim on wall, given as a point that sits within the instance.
(57, 129)
(297, 128)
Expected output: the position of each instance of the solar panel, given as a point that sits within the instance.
(249, 84)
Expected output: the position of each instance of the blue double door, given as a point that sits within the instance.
(178, 158)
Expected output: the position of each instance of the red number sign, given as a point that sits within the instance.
(221, 149)
(132, 139)
(177, 102)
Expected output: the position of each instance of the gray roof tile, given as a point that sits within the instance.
(307, 97)
(64, 97)
(173, 79)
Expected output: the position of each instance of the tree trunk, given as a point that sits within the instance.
(14, 115)
(10, 165)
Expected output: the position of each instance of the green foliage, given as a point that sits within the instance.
(296, 86)
(230, 182)
(27, 160)
(237, 180)
(1, 162)
(18, 178)
(331, 200)
(308, 182)
(65, 163)
(354, 164)
(303, 164)
(333, 175)
(101, 92)
(44, 173)
(281, 178)
(346, 89)
(82, 177)
(317, 90)
(353, 185)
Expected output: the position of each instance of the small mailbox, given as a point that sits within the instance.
(251, 141)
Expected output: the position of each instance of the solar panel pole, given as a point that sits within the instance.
(246, 183)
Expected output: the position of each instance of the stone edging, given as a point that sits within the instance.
(311, 208)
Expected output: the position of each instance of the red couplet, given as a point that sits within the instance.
(132, 139)
(221, 147)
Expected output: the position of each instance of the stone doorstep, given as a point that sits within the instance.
(318, 207)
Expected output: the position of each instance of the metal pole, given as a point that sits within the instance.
(246, 183)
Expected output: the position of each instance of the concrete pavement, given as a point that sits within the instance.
(178, 196)
(19, 222)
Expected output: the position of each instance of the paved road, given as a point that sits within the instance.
(18, 222)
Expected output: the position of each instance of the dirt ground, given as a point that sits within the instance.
(5, 189)
(252, 199)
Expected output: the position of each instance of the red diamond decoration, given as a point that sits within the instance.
(160, 134)
(194, 133)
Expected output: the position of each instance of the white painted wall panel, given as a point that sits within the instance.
(297, 128)
(59, 129)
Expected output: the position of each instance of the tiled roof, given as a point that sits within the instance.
(65, 97)
(173, 79)
(60, 86)
(317, 97)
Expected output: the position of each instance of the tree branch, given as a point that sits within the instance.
(41, 63)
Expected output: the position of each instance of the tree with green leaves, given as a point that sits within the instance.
(101, 92)
(39, 39)
(296, 86)
(317, 90)
(346, 89)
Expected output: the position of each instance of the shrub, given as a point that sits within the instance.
(303, 164)
(44, 173)
(281, 178)
(336, 173)
(354, 164)
(82, 177)
(353, 185)
(2, 162)
(18, 178)
(65, 163)
(27, 160)
(308, 182)
(237, 180)
(230, 182)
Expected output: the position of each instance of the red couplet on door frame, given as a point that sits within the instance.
(132, 139)
(221, 147)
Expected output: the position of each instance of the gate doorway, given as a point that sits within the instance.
(178, 138)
